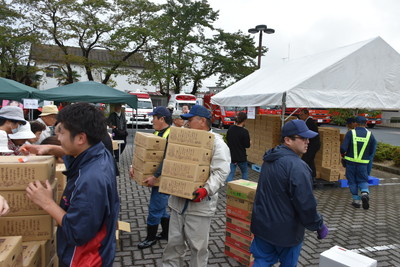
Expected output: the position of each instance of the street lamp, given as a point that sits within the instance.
(260, 29)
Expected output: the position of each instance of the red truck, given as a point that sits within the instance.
(320, 116)
(221, 117)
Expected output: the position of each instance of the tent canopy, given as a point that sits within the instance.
(365, 75)
(12, 90)
(90, 91)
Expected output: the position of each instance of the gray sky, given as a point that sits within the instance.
(310, 26)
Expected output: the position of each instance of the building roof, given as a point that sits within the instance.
(52, 53)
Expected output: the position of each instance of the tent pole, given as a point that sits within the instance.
(136, 119)
(283, 108)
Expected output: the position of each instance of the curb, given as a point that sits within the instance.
(386, 168)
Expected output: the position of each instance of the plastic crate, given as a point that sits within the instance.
(371, 181)
(256, 167)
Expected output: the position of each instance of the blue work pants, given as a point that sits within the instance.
(243, 168)
(357, 176)
(266, 254)
(157, 207)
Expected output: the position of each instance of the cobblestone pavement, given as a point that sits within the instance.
(374, 233)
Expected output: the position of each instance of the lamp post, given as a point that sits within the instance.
(261, 28)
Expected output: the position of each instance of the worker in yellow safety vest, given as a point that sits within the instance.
(358, 150)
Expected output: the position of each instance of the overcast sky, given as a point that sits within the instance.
(311, 26)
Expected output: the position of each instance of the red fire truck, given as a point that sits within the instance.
(221, 116)
(320, 116)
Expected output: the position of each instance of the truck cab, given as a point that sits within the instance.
(178, 100)
(142, 117)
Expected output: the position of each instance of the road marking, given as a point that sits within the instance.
(389, 184)
(377, 248)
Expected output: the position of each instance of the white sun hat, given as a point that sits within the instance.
(4, 142)
(24, 132)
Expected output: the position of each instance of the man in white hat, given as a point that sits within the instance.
(49, 118)
(11, 117)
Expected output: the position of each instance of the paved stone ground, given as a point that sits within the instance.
(374, 233)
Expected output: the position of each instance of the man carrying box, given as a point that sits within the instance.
(158, 201)
(284, 204)
(190, 219)
(88, 213)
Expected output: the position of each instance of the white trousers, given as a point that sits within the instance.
(187, 230)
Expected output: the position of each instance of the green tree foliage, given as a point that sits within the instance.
(182, 53)
(15, 40)
(340, 115)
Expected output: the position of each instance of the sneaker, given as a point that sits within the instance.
(365, 200)
(356, 204)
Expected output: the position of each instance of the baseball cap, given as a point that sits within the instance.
(24, 132)
(297, 127)
(49, 110)
(361, 119)
(197, 110)
(12, 113)
(161, 111)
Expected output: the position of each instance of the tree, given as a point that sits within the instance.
(183, 55)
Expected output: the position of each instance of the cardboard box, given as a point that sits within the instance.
(191, 137)
(177, 187)
(53, 262)
(47, 249)
(148, 155)
(31, 254)
(114, 145)
(239, 203)
(31, 228)
(238, 213)
(11, 251)
(242, 189)
(139, 177)
(144, 166)
(15, 175)
(20, 204)
(186, 171)
(238, 225)
(150, 141)
(122, 226)
(338, 256)
(240, 255)
(182, 153)
(237, 239)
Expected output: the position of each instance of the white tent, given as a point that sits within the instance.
(365, 75)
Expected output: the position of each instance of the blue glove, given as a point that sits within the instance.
(322, 232)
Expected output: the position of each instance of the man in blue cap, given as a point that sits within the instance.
(284, 205)
(191, 219)
(162, 121)
(358, 150)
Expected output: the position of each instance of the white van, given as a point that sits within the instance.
(145, 106)
(178, 100)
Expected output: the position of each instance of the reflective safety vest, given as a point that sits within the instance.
(165, 134)
(358, 157)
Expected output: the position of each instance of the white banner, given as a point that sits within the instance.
(30, 103)
(47, 102)
(251, 112)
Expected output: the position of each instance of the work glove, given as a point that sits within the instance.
(322, 232)
(199, 194)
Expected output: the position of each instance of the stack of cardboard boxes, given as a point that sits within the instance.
(187, 162)
(25, 219)
(265, 133)
(328, 159)
(148, 154)
(239, 206)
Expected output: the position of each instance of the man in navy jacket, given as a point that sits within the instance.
(88, 212)
(284, 205)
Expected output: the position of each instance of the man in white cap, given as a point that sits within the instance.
(49, 118)
(11, 117)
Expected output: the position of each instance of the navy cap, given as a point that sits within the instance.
(350, 120)
(297, 127)
(161, 111)
(197, 110)
(361, 119)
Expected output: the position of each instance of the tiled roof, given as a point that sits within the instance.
(52, 53)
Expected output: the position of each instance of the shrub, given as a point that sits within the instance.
(384, 152)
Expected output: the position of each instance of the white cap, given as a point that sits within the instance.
(24, 132)
(4, 142)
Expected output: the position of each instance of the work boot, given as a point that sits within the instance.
(356, 204)
(165, 228)
(151, 237)
(365, 200)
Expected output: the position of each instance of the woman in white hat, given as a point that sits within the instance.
(23, 135)
(11, 119)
